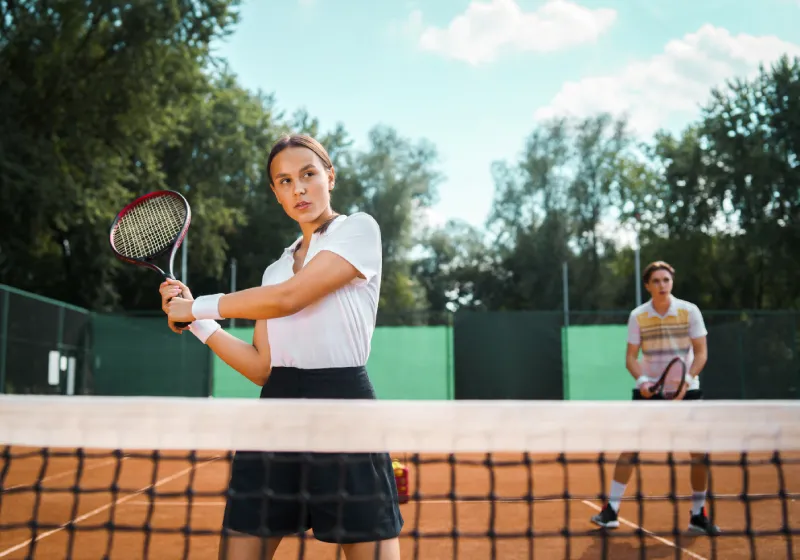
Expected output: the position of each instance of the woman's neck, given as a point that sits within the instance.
(309, 228)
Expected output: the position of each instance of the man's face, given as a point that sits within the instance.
(660, 284)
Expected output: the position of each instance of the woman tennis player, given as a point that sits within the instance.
(315, 314)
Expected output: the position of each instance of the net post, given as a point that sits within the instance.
(451, 381)
(740, 360)
(233, 286)
(637, 262)
(3, 338)
(565, 333)
(60, 344)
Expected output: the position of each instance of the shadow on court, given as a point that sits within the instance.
(624, 547)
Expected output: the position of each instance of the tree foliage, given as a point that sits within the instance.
(101, 101)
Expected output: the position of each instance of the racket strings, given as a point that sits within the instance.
(150, 227)
(674, 379)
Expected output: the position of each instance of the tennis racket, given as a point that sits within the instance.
(671, 382)
(149, 227)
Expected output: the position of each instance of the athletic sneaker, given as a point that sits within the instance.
(700, 523)
(607, 518)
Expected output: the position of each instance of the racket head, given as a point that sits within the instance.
(672, 380)
(150, 226)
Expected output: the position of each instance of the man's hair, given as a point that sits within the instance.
(657, 265)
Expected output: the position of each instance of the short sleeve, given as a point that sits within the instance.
(358, 241)
(634, 335)
(697, 327)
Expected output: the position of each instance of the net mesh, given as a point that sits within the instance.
(100, 477)
(150, 227)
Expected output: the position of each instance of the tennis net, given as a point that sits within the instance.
(106, 477)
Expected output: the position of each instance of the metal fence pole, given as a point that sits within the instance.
(4, 340)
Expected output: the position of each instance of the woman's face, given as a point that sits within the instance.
(302, 184)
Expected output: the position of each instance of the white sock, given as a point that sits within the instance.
(698, 501)
(615, 496)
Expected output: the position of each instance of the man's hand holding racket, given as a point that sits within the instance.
(646, 389)
(671, 384)
(175, 295)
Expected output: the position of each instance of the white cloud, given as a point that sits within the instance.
(487, 29)
(670, 87)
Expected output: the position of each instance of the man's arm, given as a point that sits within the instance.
(634, 344)
(698, 334)
(632, 361)
(700, 356)
(632, 357)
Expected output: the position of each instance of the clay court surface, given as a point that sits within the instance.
(132, 507)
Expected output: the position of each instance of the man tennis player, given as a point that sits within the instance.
(663, 328)
(315, 314)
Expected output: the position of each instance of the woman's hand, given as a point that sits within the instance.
(170, 289)
(179, 310)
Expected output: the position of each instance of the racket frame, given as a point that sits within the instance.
(657, 389)
(173, 246)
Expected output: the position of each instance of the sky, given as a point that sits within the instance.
(475, 77)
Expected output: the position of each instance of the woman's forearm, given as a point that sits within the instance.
(263, 302)
(241, 356)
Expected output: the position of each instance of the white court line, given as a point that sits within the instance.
(648, 533)
(579, 499)
(65, 473)
(591, 505)
(105, 507)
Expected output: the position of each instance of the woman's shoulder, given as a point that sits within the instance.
(360, 222)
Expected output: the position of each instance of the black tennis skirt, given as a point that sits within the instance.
(343, 498)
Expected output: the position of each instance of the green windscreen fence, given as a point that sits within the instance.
(515, 355)
(45, 345)
(227, 382)
(405, 363)
(595, 356)
(51, 347)
(751, 355)
(140, 356)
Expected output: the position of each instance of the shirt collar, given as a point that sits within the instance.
(671, 310)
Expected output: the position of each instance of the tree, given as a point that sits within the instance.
(751, 132)
(394, 180)
(91, 92)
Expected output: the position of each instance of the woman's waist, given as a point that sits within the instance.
(319, 371)
(348, 382)
(311, 358)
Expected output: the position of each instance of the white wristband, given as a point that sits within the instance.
(203, 329)
(641, 380)
(207, 307)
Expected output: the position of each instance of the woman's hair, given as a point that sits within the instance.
(302, 141)
(653, 266)
(298, 141)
